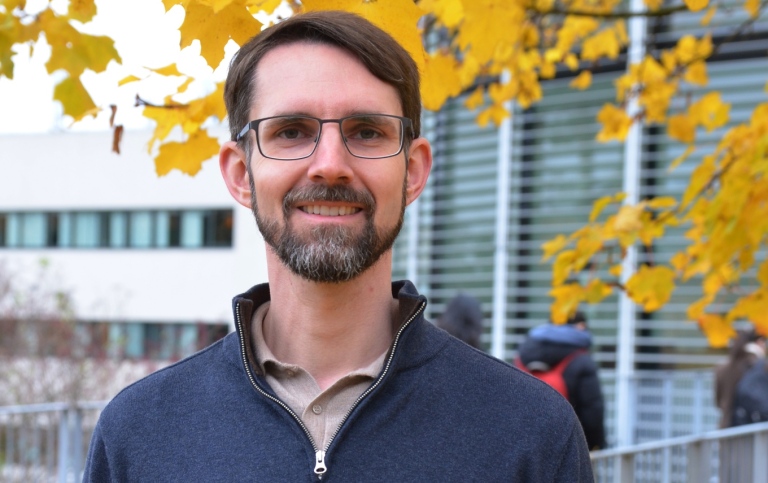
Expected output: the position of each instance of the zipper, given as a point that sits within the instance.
(320, 466)
(375, 384)
(319, 455)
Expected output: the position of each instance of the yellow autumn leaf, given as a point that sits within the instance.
(653, 5)
(214, 30)
(762, 273)
(449, 12)
(567, 300)
(696, 309)
(562, 267)
(495, 113)
(488, 25)
(752, 7)
(681, 128)
(616, 270)
(696, 73)
(628, 218)
(74, 51)
(596, 291)
(571, 61)
(603, 44)
(710, 111)
(582, 81)
(399, 18)
(680, 159)
(707, 18)
(74, 99)
(717, 329)
(696, 5)
(616, 123)
(553, 246)
(440, 80)
(679, 261)
(128, 79)
(753, 307)
(651, 287)
(187, 157)
(476, 99)
(268, 6)
(166, 118)
(82, 10)
(661, 202)
(650, 230)
(599, 205)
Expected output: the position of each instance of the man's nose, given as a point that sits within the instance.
(330, 162)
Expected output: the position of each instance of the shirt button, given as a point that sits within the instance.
(317, 409)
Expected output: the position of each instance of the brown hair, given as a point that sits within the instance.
(376, 49)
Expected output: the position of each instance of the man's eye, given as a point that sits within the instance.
(368, 134)
(291, 133)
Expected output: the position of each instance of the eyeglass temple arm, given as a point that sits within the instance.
(244, 131)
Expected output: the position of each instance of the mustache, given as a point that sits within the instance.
(335, 193)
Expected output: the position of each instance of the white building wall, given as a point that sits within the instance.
(77, 171)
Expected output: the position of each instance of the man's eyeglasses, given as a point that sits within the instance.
(369, 136)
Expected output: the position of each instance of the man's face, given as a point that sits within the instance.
(331, 216)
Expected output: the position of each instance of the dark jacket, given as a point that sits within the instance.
(750, 401)
(546, 346)
(728, 375)
(439, 411)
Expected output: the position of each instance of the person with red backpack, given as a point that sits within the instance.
(559, 355)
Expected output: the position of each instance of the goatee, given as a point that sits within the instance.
(330, 253)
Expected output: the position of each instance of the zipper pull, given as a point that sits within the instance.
(320, 463)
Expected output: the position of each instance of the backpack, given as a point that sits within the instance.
(554, 376)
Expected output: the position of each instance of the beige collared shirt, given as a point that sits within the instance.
(321, 411)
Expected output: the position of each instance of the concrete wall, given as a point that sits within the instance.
(76, 170)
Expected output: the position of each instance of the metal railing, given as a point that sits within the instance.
(46, 442)
(734, 455)
(664, 404)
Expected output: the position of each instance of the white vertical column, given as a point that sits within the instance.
(500, 268)
(625, 365)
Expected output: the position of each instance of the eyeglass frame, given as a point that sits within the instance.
(404, 121)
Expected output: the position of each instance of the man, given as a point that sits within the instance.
(333, 372)
(564, 349)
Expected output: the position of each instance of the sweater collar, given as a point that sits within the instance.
(411, 350)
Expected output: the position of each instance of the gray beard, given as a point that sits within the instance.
(327, 254)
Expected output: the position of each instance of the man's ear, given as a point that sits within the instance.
(234, 169)
(419, 166)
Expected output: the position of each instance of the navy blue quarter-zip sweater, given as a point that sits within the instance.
(439, 411)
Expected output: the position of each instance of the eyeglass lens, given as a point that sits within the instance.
(295, 137)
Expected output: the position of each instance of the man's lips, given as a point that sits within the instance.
(326, 210)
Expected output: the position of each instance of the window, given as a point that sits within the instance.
(141, 229)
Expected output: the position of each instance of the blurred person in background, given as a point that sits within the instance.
(559, 354)
(746, 348)
(463, 319)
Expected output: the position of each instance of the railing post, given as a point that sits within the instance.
(77, 441)
(63, 445)
(696, 461)
(760, 456)
(625, 468)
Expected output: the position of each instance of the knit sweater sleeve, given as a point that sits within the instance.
(575, 465)
(97, 464)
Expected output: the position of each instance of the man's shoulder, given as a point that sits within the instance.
(495, 383)
(193, 374)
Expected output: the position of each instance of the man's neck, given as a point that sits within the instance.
(330, 329)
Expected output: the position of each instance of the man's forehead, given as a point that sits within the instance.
(304, 77)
